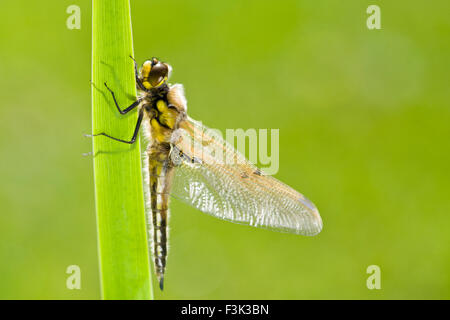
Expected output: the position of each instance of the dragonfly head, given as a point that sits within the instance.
(154, 73)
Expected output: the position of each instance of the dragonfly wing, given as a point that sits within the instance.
(213, 177)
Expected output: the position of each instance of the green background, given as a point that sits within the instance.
(364, 133)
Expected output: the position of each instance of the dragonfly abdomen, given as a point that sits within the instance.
(160, 176)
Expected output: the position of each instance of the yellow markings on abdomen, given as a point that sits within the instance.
(159, 181)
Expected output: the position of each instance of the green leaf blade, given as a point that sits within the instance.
(122, 239)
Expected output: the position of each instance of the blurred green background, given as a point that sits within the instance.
(364, 121)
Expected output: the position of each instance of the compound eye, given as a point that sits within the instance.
(158, 73)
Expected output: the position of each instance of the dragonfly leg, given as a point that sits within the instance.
(136, 74)
(136, 131)
(126, 110)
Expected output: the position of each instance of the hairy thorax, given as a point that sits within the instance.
(165, 107)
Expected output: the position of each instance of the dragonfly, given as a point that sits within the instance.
(186, 161)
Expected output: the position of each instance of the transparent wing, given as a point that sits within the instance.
(213, 177)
